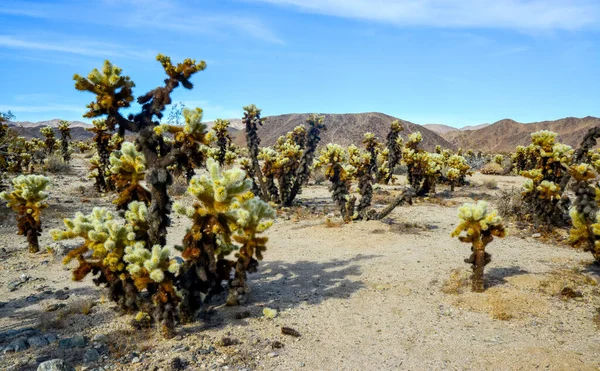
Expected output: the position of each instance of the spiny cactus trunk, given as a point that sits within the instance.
(366, 191)
(588, 142)
(32, 239)
(199, 278)
(478, 284)
(238, 288)
(158, 178)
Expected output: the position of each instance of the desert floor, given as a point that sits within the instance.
(377, 295)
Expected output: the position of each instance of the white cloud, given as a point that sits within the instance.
(504, 14)
(70, 46)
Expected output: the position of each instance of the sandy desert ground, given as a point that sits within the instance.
(377, 295)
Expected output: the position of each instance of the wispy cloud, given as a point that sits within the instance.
(47, 108)
(188, 17)
(70, 46)
(503, 14)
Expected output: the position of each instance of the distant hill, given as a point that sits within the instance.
(445, 129)
(344, 129)
(505, 135)
(30, 129)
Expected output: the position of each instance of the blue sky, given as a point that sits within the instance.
(454, 62)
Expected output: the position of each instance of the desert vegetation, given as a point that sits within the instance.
(170, 271)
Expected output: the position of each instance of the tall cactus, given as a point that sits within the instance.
(65, 136)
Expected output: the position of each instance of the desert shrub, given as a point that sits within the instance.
(27, 199)
(55, 164)
(492, 168)
(490, 183)
(480, 226)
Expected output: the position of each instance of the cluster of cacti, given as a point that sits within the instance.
(226, 213)
(424, 168)
(286, 167)
(127, 171)
(65, 135)
(333, 158)
(480, 226)
(542, 190)
(27, 200)
(456, 170)
(113, 93)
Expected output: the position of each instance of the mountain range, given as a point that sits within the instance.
(500, 137)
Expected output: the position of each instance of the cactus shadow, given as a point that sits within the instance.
(283, 285)
(496, 276)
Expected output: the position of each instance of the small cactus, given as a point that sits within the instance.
(479, 226)
(27, 200)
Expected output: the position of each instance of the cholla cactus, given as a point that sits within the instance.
(127, 169)
(362, 163)
(457, 170)
(542, 191)
(252, 121)
(188, 140)
(221, 132)
(394, 146)
(101, 160)
(373, 146)
(225, 206)
(50, 141)
(584, 212)
(65, 135)
(113, 92)
(499, 159)
(334, 159)
(156, 268)
(480, 227)
(107, 239)
(308, 145)
(27, 200)
(271, 168)
(423, 168)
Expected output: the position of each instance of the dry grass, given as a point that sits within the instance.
(565, 278)
(334, 222)
(492, 169)
(457, 283)
(490, 183)
(57, 319)
(55, 165)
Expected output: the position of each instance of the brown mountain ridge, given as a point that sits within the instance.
(505, 135)
(344, 129)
